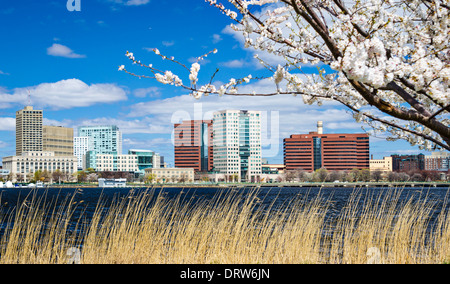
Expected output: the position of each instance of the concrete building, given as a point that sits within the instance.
(237, 144)
(334, 152)
(28, 130)
(383, 165)
(31, 162)
(171, 175)
(193, 145)
(58, 139)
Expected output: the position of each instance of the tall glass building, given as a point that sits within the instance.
(103, 140)
(237, 144)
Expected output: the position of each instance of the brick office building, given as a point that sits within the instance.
(193, 145)
(334, 152)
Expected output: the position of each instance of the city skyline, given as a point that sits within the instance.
(66, 63)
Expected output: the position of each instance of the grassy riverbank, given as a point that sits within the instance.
(230, 228)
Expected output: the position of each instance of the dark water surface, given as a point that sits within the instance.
(87, 199)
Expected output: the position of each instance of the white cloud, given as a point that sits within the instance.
(168, 43)
(151, 92)
(131, 2)
(63, 51)
(134, 126)
(234, 63)
(216, 38)
(147, 144)
(3, 73)
(3, 144)
(66, 94)
(136, 2)
(7, 124)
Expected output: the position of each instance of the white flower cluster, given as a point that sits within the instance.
(169, 79)
(195, 68)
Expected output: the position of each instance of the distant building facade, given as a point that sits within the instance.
(437, 161)
(334, 152)
(116, 163)
(31, 162)
(193, 145)
(82, 145)
(146, 159)
(104, 140)
(171, 175)
(58, 139)
(405, 163)
(237, 144)
(383, 165)
(28, 130)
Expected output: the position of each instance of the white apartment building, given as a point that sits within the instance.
(237, 144)
(81, 145)
(31, 162)
(117, 163)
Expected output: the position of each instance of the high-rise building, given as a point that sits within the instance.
(237, 144)
(81, 145)
(28, 130)
(335, 152)
(105, 140)
(58, 139)
(192, 141)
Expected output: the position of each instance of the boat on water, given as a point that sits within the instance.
(8, 184)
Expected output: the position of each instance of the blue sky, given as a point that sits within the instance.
(68, 62)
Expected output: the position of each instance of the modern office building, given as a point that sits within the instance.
(30, 162)
(406, 163)
(335, 152)
(192, 145)
(237, 144)
(58, 139)
(28, 130)
(382, 165)
(104, 140)
(146, 159)
(81, 145)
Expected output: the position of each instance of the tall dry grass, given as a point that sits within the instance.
(232, 227)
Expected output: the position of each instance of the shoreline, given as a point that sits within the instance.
(265, 185)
